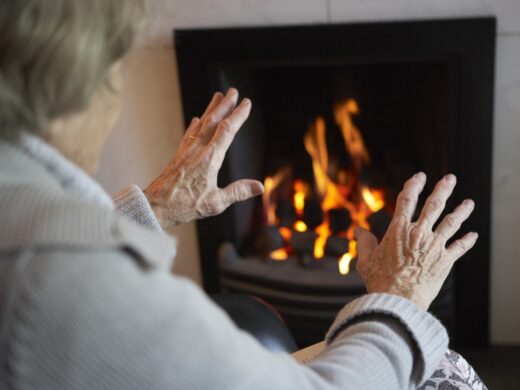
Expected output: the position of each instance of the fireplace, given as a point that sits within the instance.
(342, 115)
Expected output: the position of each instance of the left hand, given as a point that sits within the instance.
(187, 188)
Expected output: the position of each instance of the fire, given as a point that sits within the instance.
(346, 259)
(337, 188)
(300, 226)
(286, 233)
(279, 254)
(351, 135)
(374, 199)
(344, 264)
(300, 191)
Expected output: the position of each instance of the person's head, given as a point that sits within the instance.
(58, 70)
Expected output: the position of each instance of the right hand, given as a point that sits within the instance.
(412, 260)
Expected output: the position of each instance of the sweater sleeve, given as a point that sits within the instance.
(124, 327)
(132, 203)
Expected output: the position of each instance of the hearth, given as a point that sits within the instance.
(342, 115)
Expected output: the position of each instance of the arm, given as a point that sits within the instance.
(122, 326)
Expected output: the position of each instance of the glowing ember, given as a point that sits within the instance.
(300, 226)
(286, 233)
(337, 188)
(279, 254)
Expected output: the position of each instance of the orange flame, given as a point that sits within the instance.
(374, 199)
(279, 255)
(347, 192)
(270, 184)
(300, 226)
(300, 192)
(351, 135)
(286, 233)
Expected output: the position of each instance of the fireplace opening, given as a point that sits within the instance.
(342, 116)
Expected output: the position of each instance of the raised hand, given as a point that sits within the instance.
(187, 188)
(412, 260)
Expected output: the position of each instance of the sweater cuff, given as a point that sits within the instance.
(428, 333)
(132, 203)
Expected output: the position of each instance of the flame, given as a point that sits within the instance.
(374, 199)
(319, 245)
(300, 226)
(316, 146)
(279, 255)
(344, 264)
(336, 186)
(266, 200)
(300, 192)
(286, 233)
(270, 184)
(346, 259)
(351, 135)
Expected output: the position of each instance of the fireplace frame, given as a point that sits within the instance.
(466, 45)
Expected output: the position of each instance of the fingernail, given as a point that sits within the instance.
(246, 102)
(419, 175)
(475, 234)
(450, 178)
(257, 188)
(469, 202)
(232, 92)
(218, 94)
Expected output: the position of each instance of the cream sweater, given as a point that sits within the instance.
(87, 302)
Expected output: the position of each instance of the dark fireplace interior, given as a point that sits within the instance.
(342, 116)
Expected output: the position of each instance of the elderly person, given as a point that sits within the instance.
(86, 296)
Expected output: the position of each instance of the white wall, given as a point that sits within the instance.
(151, 124)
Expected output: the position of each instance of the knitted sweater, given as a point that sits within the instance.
(87, 302)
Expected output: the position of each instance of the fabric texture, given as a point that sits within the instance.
(453, 373)
(87, 301)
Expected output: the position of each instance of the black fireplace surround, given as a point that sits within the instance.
(425, 89)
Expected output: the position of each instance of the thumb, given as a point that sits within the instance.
(366, 244)
(241, 190)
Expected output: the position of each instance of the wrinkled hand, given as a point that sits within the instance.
(187, 188)
(412, 261)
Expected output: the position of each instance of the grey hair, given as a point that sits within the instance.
(55, 54)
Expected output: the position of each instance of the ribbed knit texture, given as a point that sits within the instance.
(427, 332)
(87, 302)
(132, 203)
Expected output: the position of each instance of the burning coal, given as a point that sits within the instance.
(318, 219)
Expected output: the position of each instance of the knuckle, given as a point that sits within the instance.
(225, 126)
(434, 203)
(405, 199)
(216, 207)
(463, 247)
(212, 120)
(451, 221)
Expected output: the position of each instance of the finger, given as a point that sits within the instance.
(366, 244)
(407, 199)
(458, 248)
(451, 223)
(436, 202)
(192, 130)
(215, 101)
(239, 191)
(227, 130)
(221, 111)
